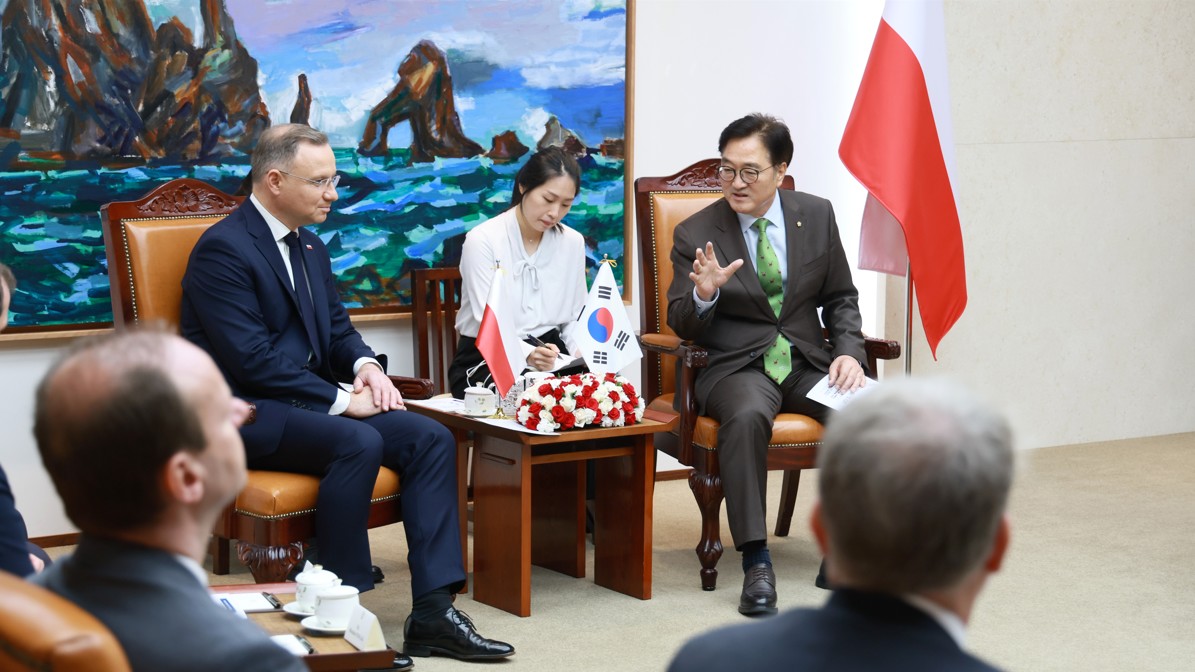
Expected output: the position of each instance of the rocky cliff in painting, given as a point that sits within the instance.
(92, 79)
(424, 97)
(556, 135)
(301, 113)
(506, 148)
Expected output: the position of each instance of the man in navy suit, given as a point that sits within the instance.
(17, 555)
(913, 483)
(260, 297)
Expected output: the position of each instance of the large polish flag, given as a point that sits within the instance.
(898, 143)
(498, 339)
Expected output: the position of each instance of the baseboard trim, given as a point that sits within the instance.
(55, 540)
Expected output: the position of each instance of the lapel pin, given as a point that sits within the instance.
(311, 248)
(798, 224)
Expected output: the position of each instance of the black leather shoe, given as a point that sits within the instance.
(821, 581)
(452, 635)
(376, 573)
(759, 591)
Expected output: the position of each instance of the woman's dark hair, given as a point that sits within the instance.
(543, 166)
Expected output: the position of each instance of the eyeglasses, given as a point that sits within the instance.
(324, 184)
(749, 175)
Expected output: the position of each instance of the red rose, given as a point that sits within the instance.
(614, 413)
(558, 393)
(535, 408)
(615, 396)
(569, 421)
(533, 422)
(558, 413)
(609, 377)
(544, 389)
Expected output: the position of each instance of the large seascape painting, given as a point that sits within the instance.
(431, 105)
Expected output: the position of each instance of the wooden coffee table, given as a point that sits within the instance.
(529, 506)
(332, 652)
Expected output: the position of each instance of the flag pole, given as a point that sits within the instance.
(908, 319)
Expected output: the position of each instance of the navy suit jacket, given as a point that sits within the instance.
(162, 616)
(239, 305)
(14, 553)
(854, 632)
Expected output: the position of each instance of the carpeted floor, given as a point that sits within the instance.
(1099, 576)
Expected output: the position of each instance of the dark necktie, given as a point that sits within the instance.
(778, 360)
(299, 272)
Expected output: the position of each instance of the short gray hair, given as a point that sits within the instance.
(914, 480)
(278, 145)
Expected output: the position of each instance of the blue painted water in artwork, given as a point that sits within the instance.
(391, 217)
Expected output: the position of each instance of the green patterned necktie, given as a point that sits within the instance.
(778, 360)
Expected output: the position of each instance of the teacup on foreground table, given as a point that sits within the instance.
(311, 582)
(334, 606)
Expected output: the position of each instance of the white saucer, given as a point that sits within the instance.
(479, 415)
(313, 625)
(296, 609)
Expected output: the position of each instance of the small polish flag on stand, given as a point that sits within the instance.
(603, 331)
(497, 339)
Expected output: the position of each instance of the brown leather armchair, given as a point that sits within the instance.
(148, 243)
(41, 631)
(661, 203)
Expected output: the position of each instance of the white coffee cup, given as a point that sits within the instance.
(334, 606)
(480, 401)
(310, 583)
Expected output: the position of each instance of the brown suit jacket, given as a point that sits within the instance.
(741, 325)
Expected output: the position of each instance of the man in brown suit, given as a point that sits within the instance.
(758, 318)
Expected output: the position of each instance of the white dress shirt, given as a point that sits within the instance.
(280, 231)
(549, 284)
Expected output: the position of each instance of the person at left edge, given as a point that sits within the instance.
(17, 554)
(260, 297)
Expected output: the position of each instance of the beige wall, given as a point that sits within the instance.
(1075, 130)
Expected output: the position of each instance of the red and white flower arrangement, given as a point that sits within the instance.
(579, 400)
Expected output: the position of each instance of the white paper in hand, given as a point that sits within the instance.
(835, 398)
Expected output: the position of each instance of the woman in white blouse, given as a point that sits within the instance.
(546, 260)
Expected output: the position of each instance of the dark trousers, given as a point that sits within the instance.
(346, 453)
(746, 403)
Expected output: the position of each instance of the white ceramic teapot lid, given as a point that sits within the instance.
(315, 575)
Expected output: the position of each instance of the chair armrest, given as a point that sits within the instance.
(691, 356)
(413, 388)
(879, 348)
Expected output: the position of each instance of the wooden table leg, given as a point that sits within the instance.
(623, 520)
(558, 517)
(502, 525)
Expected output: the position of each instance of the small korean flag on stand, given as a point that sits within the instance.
(603, 331)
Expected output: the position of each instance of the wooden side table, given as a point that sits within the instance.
(529, 506)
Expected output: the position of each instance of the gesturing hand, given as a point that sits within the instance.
(708, 275)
